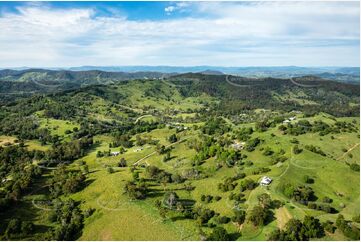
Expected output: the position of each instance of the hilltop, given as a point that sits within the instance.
(234, 93)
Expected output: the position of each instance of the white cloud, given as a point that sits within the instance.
(178, 6)
(169, 9)
(270, 33)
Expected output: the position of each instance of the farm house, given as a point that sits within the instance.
(265, 181)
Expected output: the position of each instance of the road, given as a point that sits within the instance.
(143, 116)
(147, 156)
(301, 85)
(348, 151)
(235, 84)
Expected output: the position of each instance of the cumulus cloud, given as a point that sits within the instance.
(178, 6)
(218, 33)
(169, 9)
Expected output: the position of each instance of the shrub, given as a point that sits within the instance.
(297, 150)
(355, 167)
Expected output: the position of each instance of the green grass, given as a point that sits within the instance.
(57, 127)
(116, 218)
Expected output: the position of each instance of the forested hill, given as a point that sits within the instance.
(310, 94)
(30, 81)
(232, 95)
(27, 82)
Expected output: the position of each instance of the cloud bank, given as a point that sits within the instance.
(216, 33)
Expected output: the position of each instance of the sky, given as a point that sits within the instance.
(68, 34)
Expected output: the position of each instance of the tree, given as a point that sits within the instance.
(239, 217)
(259, 215)
(173, 138)
(265, 200)
(110, 170)
(294, 230)
(164, 180)
(347, 229)
(170, 199)
(308, 179)
(136, 191)
(297, 230)
(297, 150)
(85, 169)
(166, 157)
(14, 227)
(27, 227)
(313, 227)
(152, 171)
(122, 162)
(219, 234)
(355, 167)
(176, 178)
(262, 125)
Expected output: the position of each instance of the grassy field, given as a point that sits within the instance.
(124, 215)
(118, 218)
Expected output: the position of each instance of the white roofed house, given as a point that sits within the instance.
(115, 153)
(238, 145)
(265, 181)
(292, 118)
(286, 121)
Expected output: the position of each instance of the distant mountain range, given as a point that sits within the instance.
(342, 74)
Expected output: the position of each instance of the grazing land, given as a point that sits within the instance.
(179, 158)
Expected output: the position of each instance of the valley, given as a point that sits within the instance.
(181, 157)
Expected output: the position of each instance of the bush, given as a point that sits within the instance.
(122, 162)
(248, 184)
(219, 234)
(173, 138)
(268, 151)
(328, 226)
(355, 167)
(297, 150)
(327, 200)
(294, 141)
(14, 227)
(217, 198)
(27, 227)
(88, 212)
(223, 220)
(347, 229)
(307, 179)
(110, 170)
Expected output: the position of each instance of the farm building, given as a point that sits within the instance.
(238, 145)
(265, 181)
(286, 121)
(115, 153)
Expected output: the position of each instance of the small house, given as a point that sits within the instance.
(115, 153)
(238, 145)
(265, 181)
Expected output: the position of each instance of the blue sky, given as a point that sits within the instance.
(64, 34)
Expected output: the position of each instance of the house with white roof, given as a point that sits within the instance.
(265, 181)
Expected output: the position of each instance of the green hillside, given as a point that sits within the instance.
(180, 158)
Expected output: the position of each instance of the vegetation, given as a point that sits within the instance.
(183, 157)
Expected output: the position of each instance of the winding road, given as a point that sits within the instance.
(154, 152)
(301, 85)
